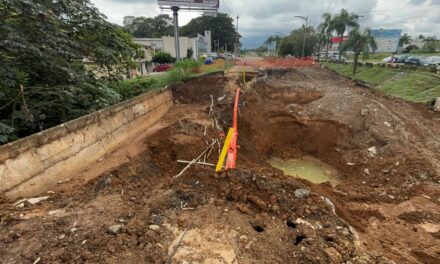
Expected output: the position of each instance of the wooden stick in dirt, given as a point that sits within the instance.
(195, 160)
(200, 163)
(170, 257)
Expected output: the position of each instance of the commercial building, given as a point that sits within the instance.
(387, 39)
(150, 46)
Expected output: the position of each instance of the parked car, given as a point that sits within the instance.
(401, 58)
(413, 61)
(395, 59)
(226, 56)
(209, 61)
(335, 58)
(418, 61)
(214, 55)
(434, 60)
(163, 68)
(203, 56)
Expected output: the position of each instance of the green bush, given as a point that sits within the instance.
(133, 87)
(163, 57)
(183, 69)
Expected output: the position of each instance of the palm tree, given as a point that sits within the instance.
(341, 22)
(322, 40)
(326, 28)
(269, 43)
(277, 40)
(359, 42)
(405, 39)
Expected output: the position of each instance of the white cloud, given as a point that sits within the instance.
(261, 18)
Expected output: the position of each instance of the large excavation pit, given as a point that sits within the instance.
(379, 203)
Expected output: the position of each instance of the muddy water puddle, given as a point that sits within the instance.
(307, 168)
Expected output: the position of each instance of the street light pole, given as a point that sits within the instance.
(306, 18)
(176, 31)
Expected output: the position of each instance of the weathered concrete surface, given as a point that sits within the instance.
(36, 163)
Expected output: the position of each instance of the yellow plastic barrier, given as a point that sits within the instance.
(221, 160)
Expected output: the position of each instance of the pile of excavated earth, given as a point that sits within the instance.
(384, 208)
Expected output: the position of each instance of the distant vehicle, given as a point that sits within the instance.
(214, 55)
(203, 56)
(227, 56)
(335, 58)
(401, 58)
(388, 60)
(434, 60)
(417, 61)
(209, 60)
(163, 68)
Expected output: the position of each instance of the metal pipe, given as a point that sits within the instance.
(232, 152)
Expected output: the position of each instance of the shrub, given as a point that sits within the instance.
(163, 57)
(183, 69)
(133, 87)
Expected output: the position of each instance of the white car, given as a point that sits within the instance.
(387, 59)
(434, 60)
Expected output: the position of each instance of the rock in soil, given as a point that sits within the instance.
(302, 193)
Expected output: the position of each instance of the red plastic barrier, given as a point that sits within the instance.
(232, 152)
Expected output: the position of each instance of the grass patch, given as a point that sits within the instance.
(414, 86)
(408, 85)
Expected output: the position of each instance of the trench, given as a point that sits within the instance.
(274, 131)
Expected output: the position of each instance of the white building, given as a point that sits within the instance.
(150, 46)
(200, 44)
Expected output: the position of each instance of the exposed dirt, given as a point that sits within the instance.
(386, 205)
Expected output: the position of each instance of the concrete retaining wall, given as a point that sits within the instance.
(36, 163)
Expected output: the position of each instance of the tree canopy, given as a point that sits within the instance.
(293, 44)
(43, 80)
(147, 27)
(221, 27)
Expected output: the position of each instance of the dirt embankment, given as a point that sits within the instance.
(384, 209)
(386, 152)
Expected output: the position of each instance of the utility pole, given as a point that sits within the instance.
(306, 18)
(237, 40)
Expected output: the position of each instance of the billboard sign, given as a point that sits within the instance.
(387, 39)
(197, 4)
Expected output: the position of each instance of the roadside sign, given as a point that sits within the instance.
(198, 4)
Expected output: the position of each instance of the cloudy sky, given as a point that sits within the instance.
(261, 18)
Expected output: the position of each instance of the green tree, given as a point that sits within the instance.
(322, 39)
(43, 80)
(221, 27)
(404, 40)
(359, 42)
(293, 43)
(326, 28)
(143, 27)
(430, 44)
(341, 22)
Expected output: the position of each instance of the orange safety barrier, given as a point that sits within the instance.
(273, 62)
(232, 152)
